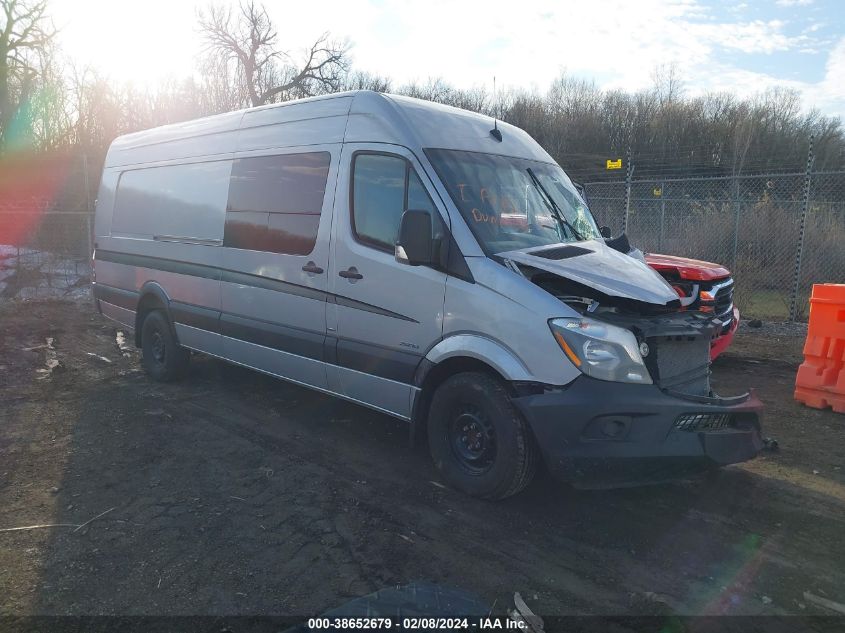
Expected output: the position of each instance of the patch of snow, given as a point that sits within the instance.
(124, 348)
(51, 361)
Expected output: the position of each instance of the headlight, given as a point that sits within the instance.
(601, 350)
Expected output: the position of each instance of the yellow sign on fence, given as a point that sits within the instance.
(614, 164)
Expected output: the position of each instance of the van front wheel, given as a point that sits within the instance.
(478, 440)
(162, 356)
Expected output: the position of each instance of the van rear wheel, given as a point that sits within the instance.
(478, 440)
(162, 356)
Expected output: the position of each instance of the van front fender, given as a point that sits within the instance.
(478, 348)
(484, 349)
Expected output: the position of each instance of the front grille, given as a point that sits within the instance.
(704, 421)
(723, 306)
(724, 300)
(680, 363)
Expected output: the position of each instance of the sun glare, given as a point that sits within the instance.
(140, 43)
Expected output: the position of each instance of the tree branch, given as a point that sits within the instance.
(266, 71)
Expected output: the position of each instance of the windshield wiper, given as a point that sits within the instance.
(553, 206)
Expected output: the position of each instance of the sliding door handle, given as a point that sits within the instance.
(311, 267)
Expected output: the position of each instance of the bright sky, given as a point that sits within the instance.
(731, 45)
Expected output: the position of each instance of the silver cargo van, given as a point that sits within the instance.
(423, 261)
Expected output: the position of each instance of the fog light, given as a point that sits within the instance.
(614, 428)
(608, 428)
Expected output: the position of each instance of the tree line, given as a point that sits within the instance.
(48, 103)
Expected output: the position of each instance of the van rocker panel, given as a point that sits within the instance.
(601, 432)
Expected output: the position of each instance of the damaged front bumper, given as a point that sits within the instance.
(599, 433)
(724, 340)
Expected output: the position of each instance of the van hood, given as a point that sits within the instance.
(594, 264)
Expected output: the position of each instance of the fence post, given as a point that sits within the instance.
(662, 216)
(805, 203)
(629, 173)
(737, 210)
(89, 211)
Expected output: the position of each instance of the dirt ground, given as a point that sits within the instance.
(233, 493)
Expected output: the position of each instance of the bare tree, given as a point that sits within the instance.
(362, 80)
(220, 89)
(668, 85)
(24, 36)
(50, 117)
(247, 39)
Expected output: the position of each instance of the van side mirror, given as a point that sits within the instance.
(605, 232)
(414, 245)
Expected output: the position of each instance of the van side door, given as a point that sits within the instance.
(275, 260)
(383, 315)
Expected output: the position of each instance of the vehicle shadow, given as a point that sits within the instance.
(235, 493)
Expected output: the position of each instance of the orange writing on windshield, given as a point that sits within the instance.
(479, 216)
(497, 209)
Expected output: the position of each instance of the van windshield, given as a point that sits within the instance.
(513, 203)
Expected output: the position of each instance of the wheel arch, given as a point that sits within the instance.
(457, 354)
(152, 297)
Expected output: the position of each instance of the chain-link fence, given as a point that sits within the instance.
(750, 224)
(46, 226)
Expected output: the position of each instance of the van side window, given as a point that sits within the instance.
(178, 201)
(383, 187)
(275, 202)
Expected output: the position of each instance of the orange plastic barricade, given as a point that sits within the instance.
(820, 381)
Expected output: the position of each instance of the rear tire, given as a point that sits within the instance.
(478, 440)
(162, 356)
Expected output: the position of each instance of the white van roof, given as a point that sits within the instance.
(360, 116)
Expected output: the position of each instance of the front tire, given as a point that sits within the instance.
(162, 356)
(478, 440)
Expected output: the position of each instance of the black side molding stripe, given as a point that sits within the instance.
(376, 361)
(371, 359)
(195, 316)
(257, 281)
(243, 279)
(330, 350)
(160, 263)
(367, 307)
(127, 299)
(279, 337)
